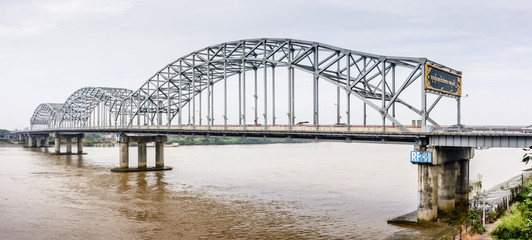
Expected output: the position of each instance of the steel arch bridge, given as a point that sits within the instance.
(172, 97)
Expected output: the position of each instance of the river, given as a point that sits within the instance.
(327, 190)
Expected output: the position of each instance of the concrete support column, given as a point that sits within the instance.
(80, 144)
(427, 209)
(31, 141)
(124, 153)
(462, 182)
(68, 145)
(447, 186)
(443, 180)
(159, 154)
(142, 154)
(57, 144)
(47, 141)
(38, 140)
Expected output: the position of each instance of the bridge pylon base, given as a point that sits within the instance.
(67, 154)
(37, 140)
(146, 169)
(141, 141)
(444, 182)
(68, 137)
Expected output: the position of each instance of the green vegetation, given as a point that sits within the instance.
(518, 223)
(476, 185)
(476, 222)
(224, 141)
(528, 155)
(458, 215)
(4, 133)
(492, 214)
(461, 214)
(94, 138)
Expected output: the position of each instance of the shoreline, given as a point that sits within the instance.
(497, 199)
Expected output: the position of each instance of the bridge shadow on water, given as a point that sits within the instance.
(144, 193)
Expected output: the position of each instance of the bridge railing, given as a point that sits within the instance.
(482, 129)
(255, 128)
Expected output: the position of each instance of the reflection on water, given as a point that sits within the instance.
(316, 190)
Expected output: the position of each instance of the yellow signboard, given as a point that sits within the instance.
(443, 81)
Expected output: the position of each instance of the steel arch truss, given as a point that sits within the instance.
(362, 75)
(43, 114)
(368, 77)
(77, 109)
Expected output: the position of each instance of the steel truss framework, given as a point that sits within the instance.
(44, 112)
(105, 103)
(367, 77)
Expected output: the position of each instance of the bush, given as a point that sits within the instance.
(510, 227)
(476, 223)
(518, 224)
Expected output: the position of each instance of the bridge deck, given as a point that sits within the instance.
(392, 134)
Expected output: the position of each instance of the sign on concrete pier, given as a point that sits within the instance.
(420, 157)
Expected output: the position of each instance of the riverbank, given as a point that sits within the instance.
(516, 222)
(96, 141)
(486, 206)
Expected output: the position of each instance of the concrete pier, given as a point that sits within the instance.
(141, 141)
(447, 186)
(68, 137)
(159, 154)
(57, 145)
(462, 182)
(36, 140)
(142, 157)
(124, 154)
(427, 209)
(80, 145)
(31, 141)
(443, 181)
(69, 145)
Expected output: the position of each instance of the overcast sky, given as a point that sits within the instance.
(49, 49)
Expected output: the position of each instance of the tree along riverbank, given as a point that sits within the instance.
(226, 141)
(109, 140)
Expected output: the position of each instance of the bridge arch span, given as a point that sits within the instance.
(78, 107)
(43, 113)
(368, 77)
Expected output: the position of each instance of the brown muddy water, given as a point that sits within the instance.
(329, 190)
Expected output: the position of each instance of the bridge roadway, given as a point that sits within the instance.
(480, 137)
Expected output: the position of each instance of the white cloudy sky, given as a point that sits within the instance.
(50, 48)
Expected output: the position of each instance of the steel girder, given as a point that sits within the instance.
(362, 75)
